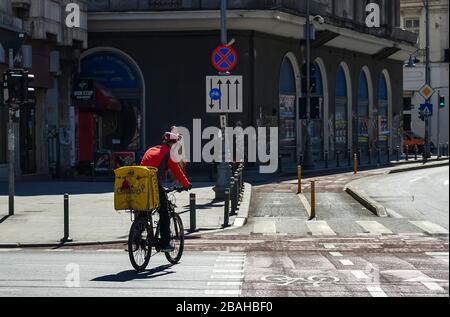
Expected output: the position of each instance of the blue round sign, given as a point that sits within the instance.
(215, 94)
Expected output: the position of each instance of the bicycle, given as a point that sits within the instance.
(145, 235)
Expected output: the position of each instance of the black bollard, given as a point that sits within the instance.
(407, 153)
(67, 237)
(326, 159)
(416, 152)
(349, 158)
(193, 213)
(398, 153)
(233, 198)
(388, 152)
(226, 212)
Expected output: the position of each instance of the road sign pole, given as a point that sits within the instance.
(223, 170)
(439, 127)
(428, 77)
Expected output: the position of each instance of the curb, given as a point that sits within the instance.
(420, 167)
(240, 221)
(378, 209)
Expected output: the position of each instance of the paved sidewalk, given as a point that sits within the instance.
(39, 212)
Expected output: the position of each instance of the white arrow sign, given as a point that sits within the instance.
(224, 94)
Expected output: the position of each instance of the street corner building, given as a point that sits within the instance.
(146, 64)
(40, 42)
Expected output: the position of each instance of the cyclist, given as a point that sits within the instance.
(160, 158)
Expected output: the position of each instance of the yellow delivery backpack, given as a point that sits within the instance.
(136, 188)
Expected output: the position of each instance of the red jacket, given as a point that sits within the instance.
(159, 157)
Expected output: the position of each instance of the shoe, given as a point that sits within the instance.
(168, 249)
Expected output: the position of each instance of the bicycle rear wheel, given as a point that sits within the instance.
(176, 239)
(139, 248)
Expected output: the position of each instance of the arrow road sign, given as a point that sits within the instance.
(224, 94)
(426, 109)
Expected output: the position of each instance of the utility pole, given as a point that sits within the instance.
(11, 147)
(308, 157)
(427, 78)
(223, 170)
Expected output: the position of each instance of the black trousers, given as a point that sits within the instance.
(164, 218)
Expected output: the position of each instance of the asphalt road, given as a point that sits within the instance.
(421, 195)
(260, 267)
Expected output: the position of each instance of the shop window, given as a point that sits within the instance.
(363, 113)
(383, 124)
(341, 115)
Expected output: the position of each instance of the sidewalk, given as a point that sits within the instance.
(39, 212)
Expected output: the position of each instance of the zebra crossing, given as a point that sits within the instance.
(336, 227)
(228, 275)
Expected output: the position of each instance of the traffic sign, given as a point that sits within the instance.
(426, 91)
(426, 109)
(224, 58)
(224, 94)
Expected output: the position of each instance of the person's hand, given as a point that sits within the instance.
(189, 187)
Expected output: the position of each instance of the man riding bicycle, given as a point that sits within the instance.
(160, 158)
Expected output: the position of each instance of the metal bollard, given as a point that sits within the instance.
(359, 156)
(300, 159)
(398, 153)
(407, 153)
(355, 164)
(349, 158)
(338, 163)
(92, 171)
(313, 200)
(236, 193)
(416, 152)
(326, 159)
(388, 152)
(233, 199)
(299, 175)
(193, 213)
(226, 211)
(67, 237)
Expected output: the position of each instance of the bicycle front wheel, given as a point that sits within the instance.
(139, 248)
(176, 239)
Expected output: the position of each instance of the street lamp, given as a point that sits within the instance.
(308, 156)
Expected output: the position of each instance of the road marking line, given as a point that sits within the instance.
(305, 203)
(10, 250)
(227, 277)
(320, 228)
(230, 260)
(429, 227)
(417, 179)
(265, 227)
(394, 214)
(230, 265)
(374, 227)
(360, 274)
(225, 284)
(336, 254)
(432, 286)
(228, 271)
(110, 250)
(58, 250)
(346, 262)
(329, 246)
(223, 292)
(376, 291)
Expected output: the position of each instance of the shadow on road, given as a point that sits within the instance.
(132, 275)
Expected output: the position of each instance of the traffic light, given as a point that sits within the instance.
(421, 116)
(441, 102)
(17, 88)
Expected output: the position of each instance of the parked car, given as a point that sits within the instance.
(411, 139)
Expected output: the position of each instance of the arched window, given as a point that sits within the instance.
(363, 113)
(287, 111)
(341, 113)
(383, 113)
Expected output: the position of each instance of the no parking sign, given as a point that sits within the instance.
(224, 58)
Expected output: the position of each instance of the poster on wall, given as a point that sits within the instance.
(363, 129)
(383, 128)
(102, 161)
(287, 120)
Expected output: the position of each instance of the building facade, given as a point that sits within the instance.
(147, 63)
(50, 50)
(414, 19)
